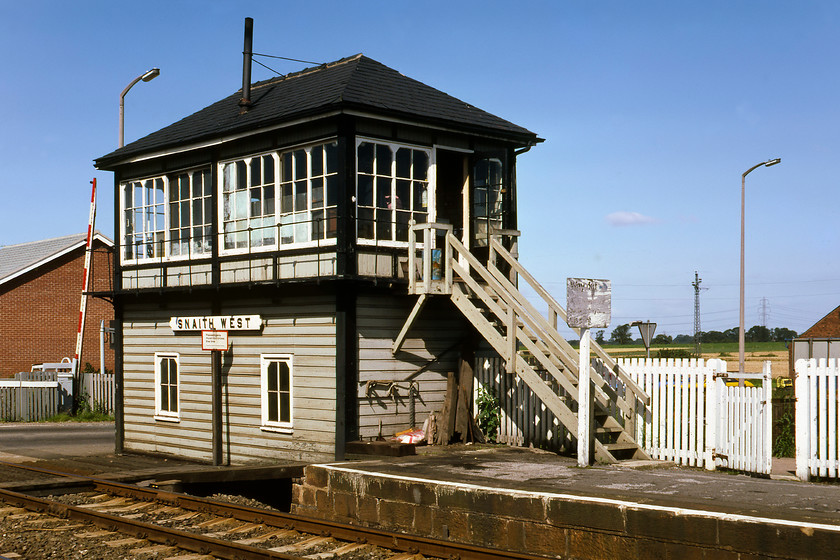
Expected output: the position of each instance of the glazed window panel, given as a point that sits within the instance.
(189, 218)
(144, 215)
(276, 377)
(309, 194)
(167, 383)
(391, 190)
(248, 203)
(488, 199)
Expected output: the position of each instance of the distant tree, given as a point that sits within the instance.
(713, 336)
(684, 339)
(621, 335)
(731, 335)
(662, 339)
(758, 333)
(599, 337)
(781, 334)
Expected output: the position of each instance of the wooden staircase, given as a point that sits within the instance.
(528, 341)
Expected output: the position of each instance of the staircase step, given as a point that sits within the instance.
(620, 446)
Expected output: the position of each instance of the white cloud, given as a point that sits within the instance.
(625, 218)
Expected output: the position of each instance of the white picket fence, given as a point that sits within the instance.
(817, 418)
(699, 416)
(37, 395)
(98, 390)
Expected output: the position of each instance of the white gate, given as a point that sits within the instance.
(817, 418)
(700, 416)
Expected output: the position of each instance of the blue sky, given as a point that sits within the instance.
(651, 111)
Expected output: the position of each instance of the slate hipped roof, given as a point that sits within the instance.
(19, 259)
(357, 82)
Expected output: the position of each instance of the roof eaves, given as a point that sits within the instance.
(60, 253)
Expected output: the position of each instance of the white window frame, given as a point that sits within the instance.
(265, 423)
(430, 188)
(192, 253)
(278, 215)
(123, 223)
(220, 190)
(167, 415)
(166, 254)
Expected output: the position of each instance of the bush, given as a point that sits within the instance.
(489, 413)
(784, 436)
(675, 353)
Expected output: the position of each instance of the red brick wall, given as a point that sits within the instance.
(40, 313)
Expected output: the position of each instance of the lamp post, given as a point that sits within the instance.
(767, 163)
(148, 76)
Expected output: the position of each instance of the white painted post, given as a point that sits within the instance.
(585, 442)
(711, 418)
(801, 390)
(767, 384)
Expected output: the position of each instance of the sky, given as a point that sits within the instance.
(650, 111)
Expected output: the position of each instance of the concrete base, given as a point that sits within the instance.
(551, 524)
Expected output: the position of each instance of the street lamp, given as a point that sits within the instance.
(767, 163)
(147, 77)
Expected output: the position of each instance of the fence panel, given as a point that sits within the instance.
(817, 418)
(744, 438)
(673, 427)
(524, 419)
(98, 390)
(29, 397)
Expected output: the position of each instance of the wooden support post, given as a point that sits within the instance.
(418, 306)
(216, 406)
(510, 366)
(586, 432)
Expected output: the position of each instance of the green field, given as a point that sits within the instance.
(711, 349)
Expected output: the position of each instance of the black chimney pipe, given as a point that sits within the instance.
(247, 53)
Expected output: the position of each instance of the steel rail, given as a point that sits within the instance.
(173, 537)
(341, 531)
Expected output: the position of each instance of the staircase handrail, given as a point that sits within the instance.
(561, 346)
(556, 308)
(533, 320)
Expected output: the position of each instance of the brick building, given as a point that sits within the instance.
(40, 290)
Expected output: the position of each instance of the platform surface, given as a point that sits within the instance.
(650, 483)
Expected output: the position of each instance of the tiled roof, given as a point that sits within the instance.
(827, 327)
(17, 259)
(357, 82)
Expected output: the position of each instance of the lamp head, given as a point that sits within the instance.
(151, 75)
(770, 162)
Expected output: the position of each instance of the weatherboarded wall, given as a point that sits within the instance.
(430, 351)
(304, 327)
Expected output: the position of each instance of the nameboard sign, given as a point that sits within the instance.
(588, 303)
(216, 323)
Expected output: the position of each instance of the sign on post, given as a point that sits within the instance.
(587, 306)
(214, 340)
(588, 303)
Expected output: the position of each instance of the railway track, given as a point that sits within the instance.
(148, 522)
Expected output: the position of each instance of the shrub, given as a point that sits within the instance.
(489, 413)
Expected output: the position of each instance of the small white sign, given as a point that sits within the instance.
(214, 340)
(588, 303)
(216, 322)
